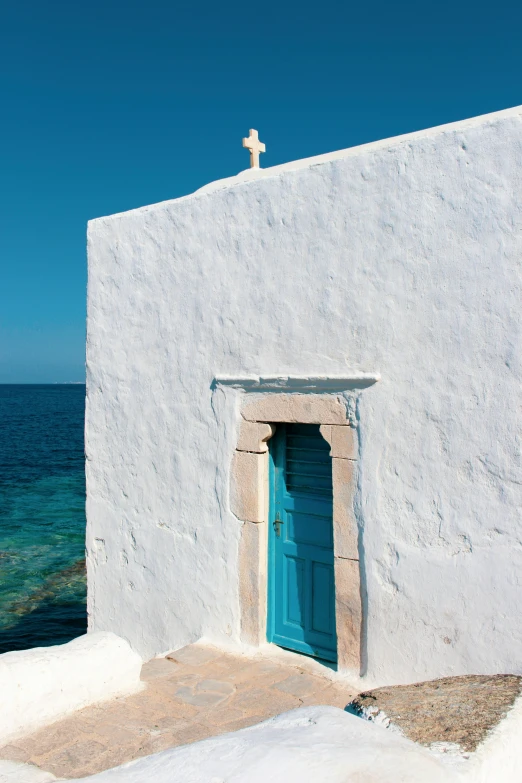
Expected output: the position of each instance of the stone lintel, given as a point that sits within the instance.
(296, 408)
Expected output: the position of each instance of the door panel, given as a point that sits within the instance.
(301, 607)
(294, 583)
(309, 529)
(322, 587)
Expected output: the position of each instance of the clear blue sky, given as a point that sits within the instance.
(110, 105)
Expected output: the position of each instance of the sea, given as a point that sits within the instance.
(42, 515)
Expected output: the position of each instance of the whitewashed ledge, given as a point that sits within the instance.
(299, 383)
(44, 684)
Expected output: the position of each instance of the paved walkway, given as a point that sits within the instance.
(194, 693)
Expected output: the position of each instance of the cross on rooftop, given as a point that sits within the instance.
(255, 146)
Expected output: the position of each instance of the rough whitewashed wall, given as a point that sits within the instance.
(402, 258)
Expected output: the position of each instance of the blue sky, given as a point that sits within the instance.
(110, 105)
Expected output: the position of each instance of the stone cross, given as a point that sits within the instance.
(255, 146)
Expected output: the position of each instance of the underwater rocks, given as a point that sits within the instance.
(60, 585)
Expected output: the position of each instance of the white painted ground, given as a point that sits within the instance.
(499, 758)
(400, 258)
(14, 772)
(309, 745)
(303, 746)
(43, 684)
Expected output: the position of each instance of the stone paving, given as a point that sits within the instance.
(194, 693)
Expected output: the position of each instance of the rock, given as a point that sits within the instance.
(452, 710)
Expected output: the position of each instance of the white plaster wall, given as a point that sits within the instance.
(403, 258)
(41, 685)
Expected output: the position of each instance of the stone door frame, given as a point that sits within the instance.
(249, 493)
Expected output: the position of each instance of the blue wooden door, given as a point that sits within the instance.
(301, 599)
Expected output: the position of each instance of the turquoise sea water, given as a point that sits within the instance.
(42, 515)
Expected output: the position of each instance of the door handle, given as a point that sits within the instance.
(277, 525)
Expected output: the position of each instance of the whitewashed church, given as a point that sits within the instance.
(304, 409)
